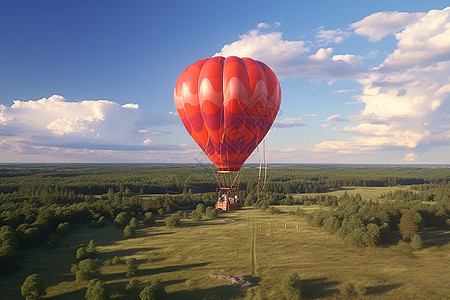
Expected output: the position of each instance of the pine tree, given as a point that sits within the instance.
(411, 223)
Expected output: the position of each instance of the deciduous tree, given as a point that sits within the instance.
(33, 287)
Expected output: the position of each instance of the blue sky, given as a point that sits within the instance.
(92, 81)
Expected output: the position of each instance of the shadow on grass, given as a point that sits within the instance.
(167, 269)
(215, 293)
(77, 294)
(147, 272)
(319, 288)
(117, 289)
(125, 252)
(435, 237)
(381, 289)
(155, 234)
(200, 223)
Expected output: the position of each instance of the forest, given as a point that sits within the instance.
(41, 203)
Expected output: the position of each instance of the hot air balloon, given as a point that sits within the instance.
(227, 105)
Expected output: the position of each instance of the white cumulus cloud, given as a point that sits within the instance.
(380, 24)
(54, 123)
(407, 97)
(289, 122)
(335, 36)
(292, 58)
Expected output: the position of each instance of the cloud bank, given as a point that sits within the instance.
(51, 124)
(405, 98)
(295, 58)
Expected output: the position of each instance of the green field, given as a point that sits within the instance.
(185, 257)
(365, 192)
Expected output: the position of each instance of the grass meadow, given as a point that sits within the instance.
(246, 243)
(366, 193)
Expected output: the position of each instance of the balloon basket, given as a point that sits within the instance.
(229, 191)
(228, 199)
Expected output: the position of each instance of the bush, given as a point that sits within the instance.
(86, 269)
(350, 290)
(201, 209)
(100, 222)
(63, 229)
(131, 285)
(81, 253)
(96, 290)
(87, 252)
(91, 249)
(196, 216)
(122, 219)
(116, 260)
(291, 286)
(107, 262)
(211, 212)
(52, 241)
(154, 291)
(172, 221)
(134, 222)
(132, 267)
(273, 210)
(129, 231)
(149, 219)
(33, 288)
(416, 242)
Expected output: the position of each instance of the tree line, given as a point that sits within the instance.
(39, 204)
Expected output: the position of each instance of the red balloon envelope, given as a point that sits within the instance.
(227, 105)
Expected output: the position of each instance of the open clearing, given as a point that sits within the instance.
(184, 258)
(365, 192)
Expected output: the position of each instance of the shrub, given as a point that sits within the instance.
(154, 291)
(416, 242)
(96, 290)
(131, 285)
(211, 212)
(101, 222)
(331, 224)
(291, 286)
(172, 221)
(273, 210)
(129, 231)
(91, 249)
(116, 260)
(134, 222)
(107, 262)
(81, 253)
(122, 219)
(149, 219)
(350, 290)
(87, 252)
(201, 209)
(86, 269)
(132, 267)
(179, 214)
(63, 229)
(52, 241)
(196, 216)
(33, 288)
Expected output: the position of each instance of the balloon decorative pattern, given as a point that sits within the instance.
(227, 105)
